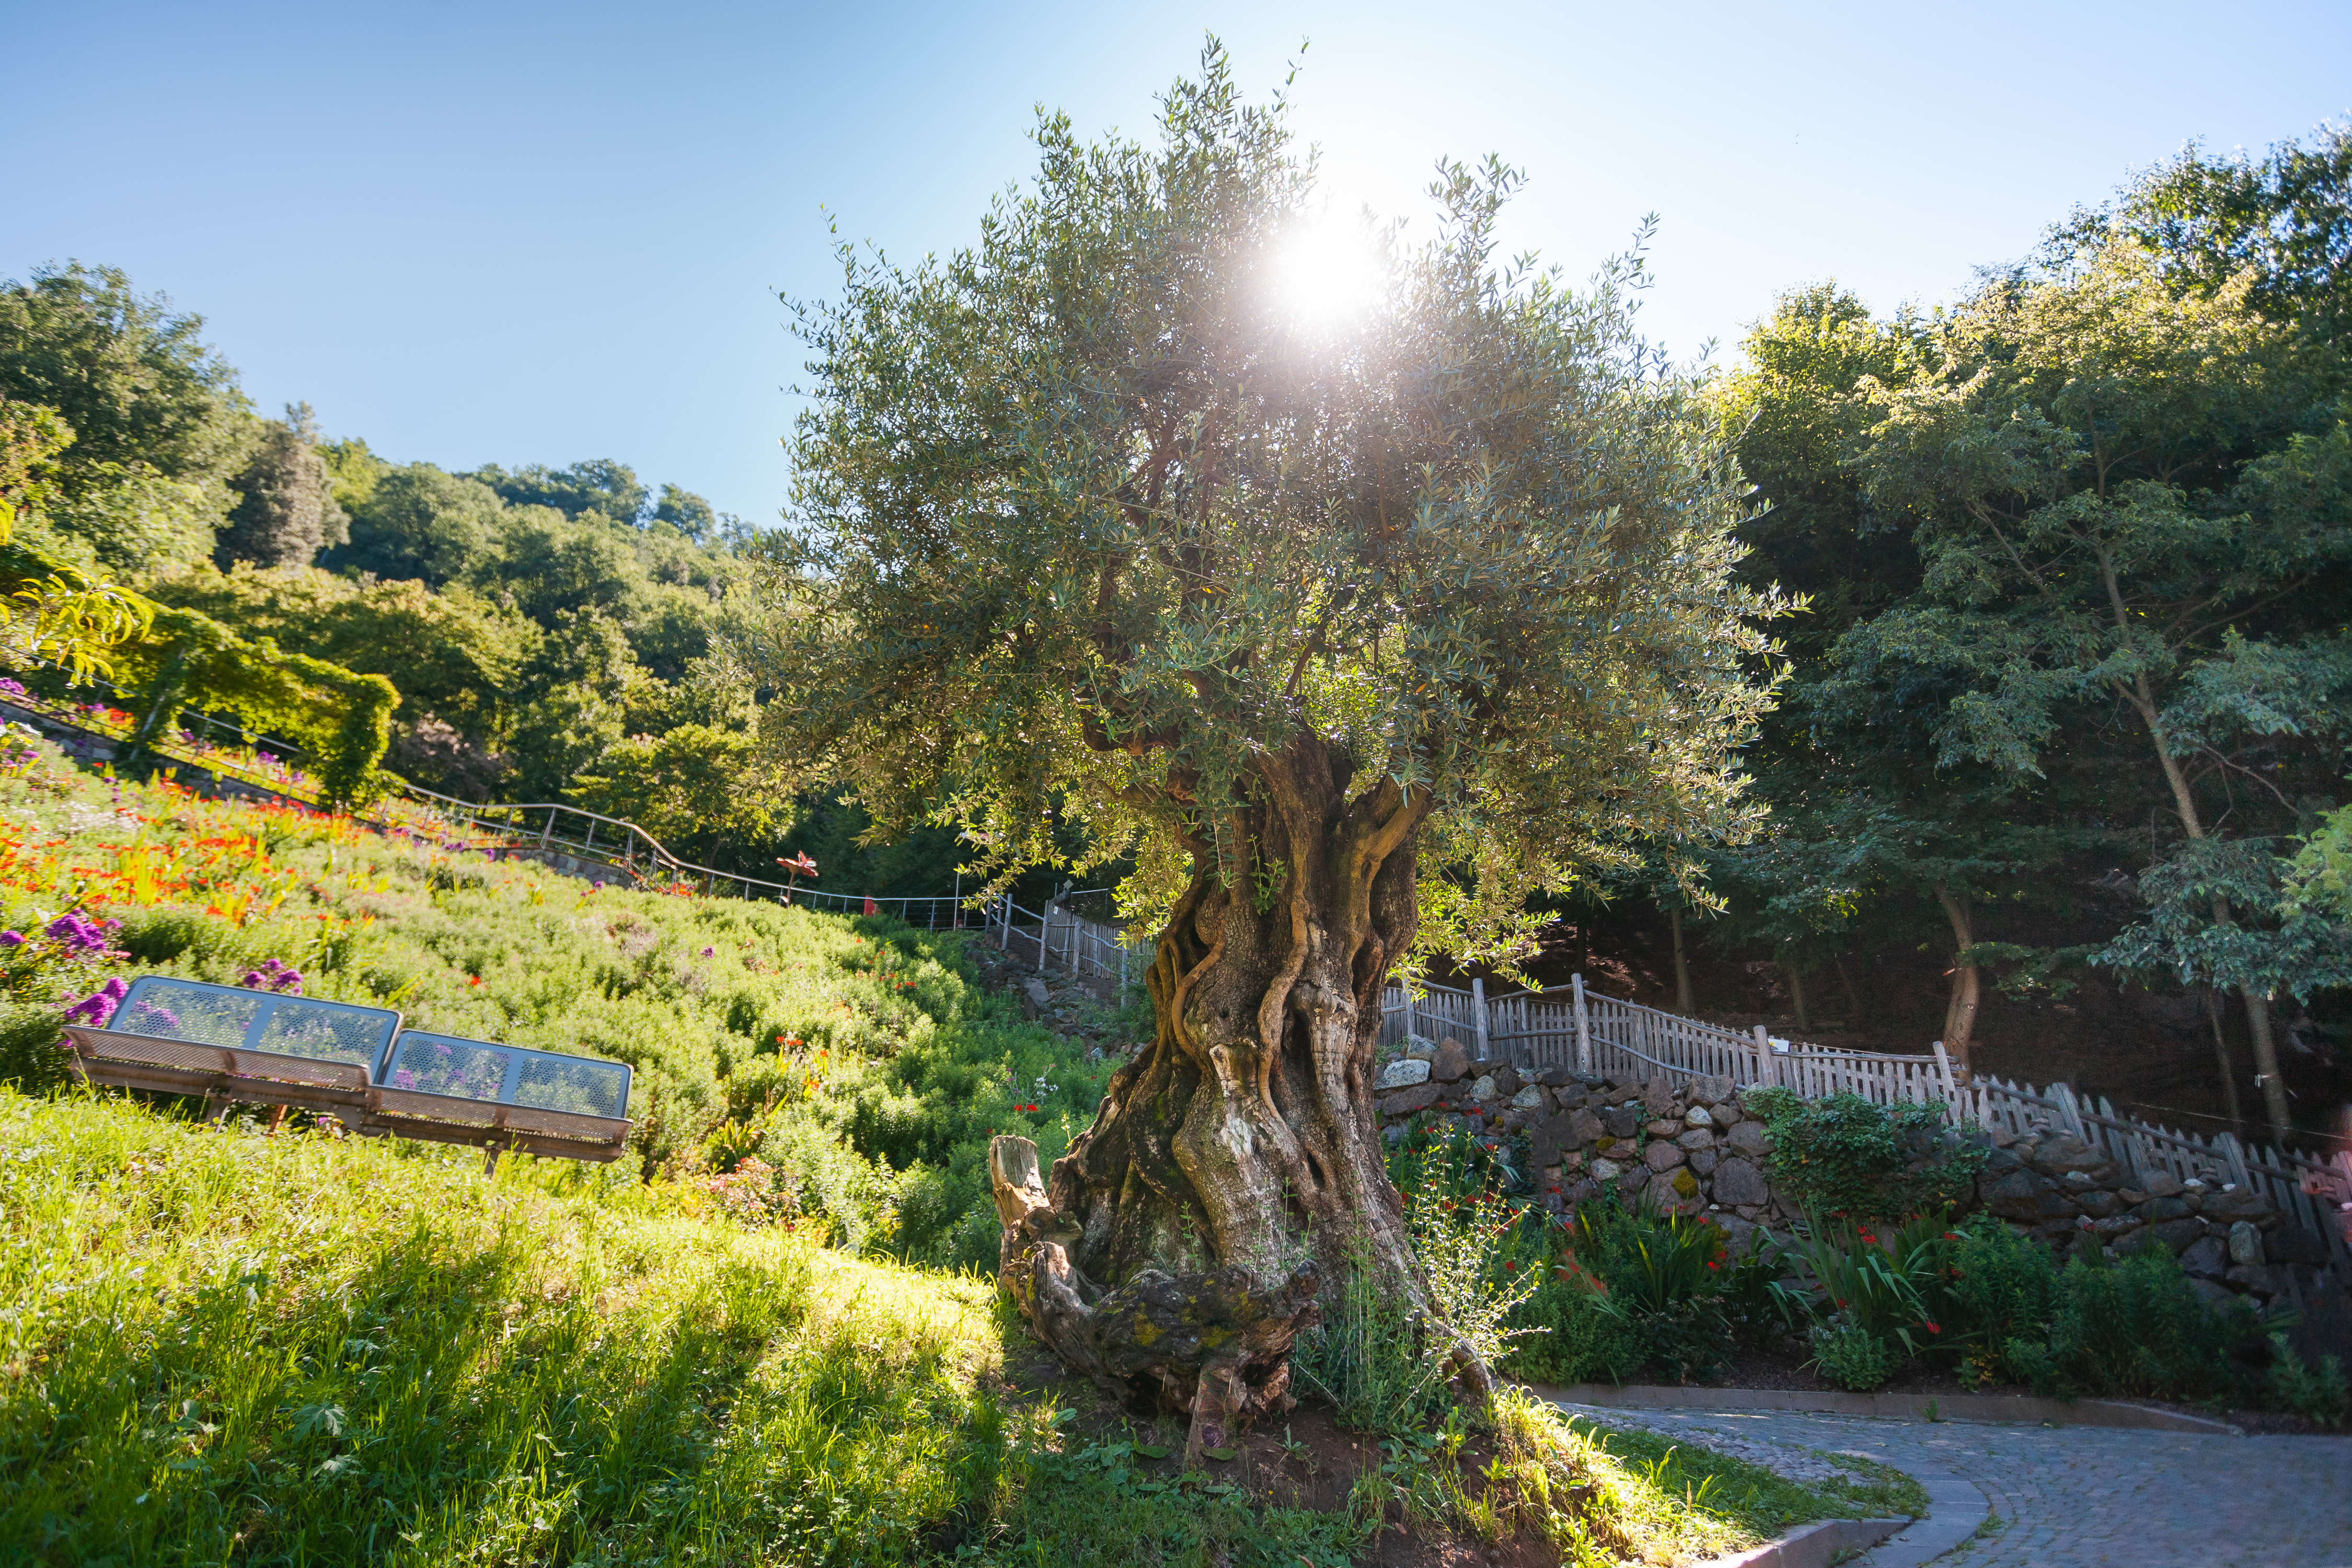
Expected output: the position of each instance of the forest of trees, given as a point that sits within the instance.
(2067, 700)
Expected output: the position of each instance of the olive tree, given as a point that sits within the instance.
(1353, 626)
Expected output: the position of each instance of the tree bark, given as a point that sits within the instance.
(1797, 993)
(1236, 1166)
(2221, 1056)
(2184, 802)
(1960, 1015)
(1683, 1004)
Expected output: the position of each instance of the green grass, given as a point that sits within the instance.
(220, 1347)
(1753, 1499)
(216, 1347)
(869, 1066)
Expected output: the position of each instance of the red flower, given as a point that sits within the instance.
(1934, 1330)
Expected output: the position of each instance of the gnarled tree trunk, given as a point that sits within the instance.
(1236, 1167)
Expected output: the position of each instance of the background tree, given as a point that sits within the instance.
(1311, 612)
(2283, 220)
(596, 485)
(2092, 464)
(285, 511)
(128, 373)
(422, 523)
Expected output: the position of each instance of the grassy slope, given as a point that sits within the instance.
(881, 1067)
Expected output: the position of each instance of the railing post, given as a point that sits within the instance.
(1583, 1027)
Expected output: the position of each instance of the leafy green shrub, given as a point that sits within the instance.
(1850, 1159)
(2135, 1327)
(1573, 1336)
(1877, 1279)
(32, 1047)
(1853, 1356)
(2316, 1394)
(1995, 1288)
(1658, 1279)
(160, 935)
(1758, 1303)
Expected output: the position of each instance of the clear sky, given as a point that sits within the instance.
(515, 234)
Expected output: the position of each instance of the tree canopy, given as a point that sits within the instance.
(1097, 519)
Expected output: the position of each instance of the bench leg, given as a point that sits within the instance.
(216, 1107)
(490, 1160)
(277, 1120)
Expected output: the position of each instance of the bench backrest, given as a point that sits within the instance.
(161, 1008)
(428, 1063)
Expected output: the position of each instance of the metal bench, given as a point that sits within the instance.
(448, 1089)
(229, 1045)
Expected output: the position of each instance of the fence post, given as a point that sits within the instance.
(1005, 938)
(2063, 1093)
(1951, 1089)
(1583, 1027)
(2235, 1154)
(1767, 1071)
(1478, 1014)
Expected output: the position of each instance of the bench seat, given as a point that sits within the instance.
(216, 1072)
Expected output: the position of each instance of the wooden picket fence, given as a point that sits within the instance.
(1570, 1026)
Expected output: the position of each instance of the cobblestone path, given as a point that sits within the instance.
(2089, 1496)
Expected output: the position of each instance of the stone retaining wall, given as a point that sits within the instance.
(1696, 1146)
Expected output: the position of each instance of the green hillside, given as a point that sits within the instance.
(856, 1057)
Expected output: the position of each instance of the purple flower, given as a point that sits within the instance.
(12, 688)
(709, 952)
(98, 1007)
(403, 1079)
(170, 1020)
(78, 936)
(11, 939)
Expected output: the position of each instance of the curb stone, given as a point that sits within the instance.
(1813, 1545)
(1957, 1509)
(2011, 1408)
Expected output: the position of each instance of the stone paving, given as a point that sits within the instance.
(2089, 1496)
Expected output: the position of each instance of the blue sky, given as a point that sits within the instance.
(534, 234)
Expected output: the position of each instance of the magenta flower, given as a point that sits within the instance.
(98, 1008)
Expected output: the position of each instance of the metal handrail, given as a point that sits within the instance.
(631, 843)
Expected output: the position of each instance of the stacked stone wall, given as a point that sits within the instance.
(1696, 1145)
